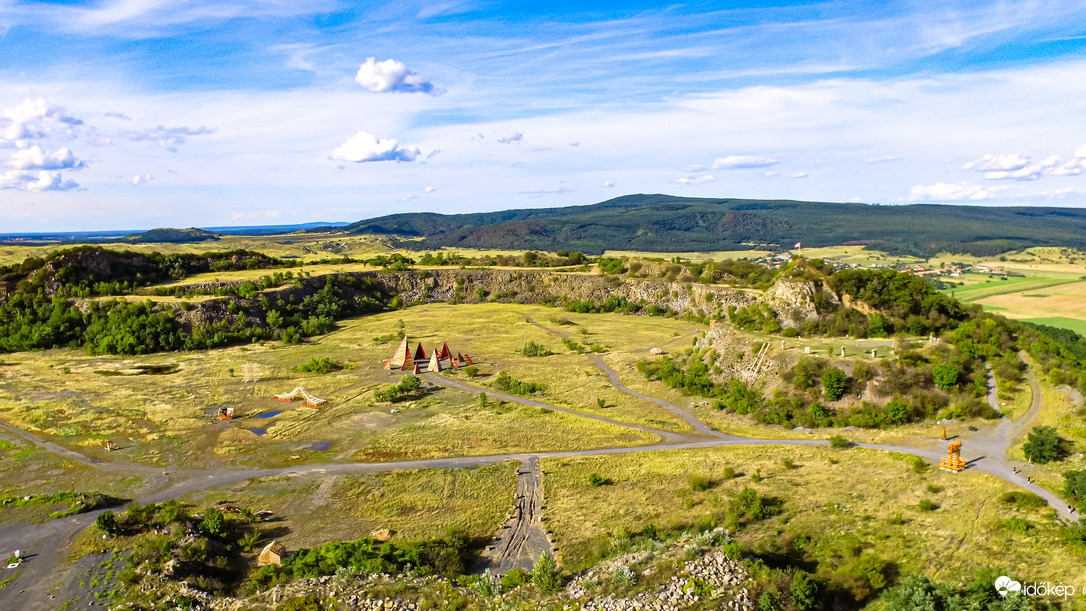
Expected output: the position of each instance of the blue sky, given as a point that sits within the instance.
(140, 113)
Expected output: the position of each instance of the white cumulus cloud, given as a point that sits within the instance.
(738, 162)
(391, 75)
(36, 182)
(140, 179)
(690, 179)
(511, 138)
(608, 183)
(799, 175)
(34, 158)
(33, 119)
(364, 146)
(942, 191)
(1080, 152)
(429, 189)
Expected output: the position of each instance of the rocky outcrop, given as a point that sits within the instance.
(798, 302)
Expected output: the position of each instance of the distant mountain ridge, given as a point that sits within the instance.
(666, 223)
(171, 236)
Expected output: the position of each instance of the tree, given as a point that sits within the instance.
(834, 383)
(1043, 445)
(945, 376)
(1074, 485)
(274, 319)
(107, 523)
(471, 371)
(547, 575)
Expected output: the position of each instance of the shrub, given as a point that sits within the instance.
(803, 591)
(919, 464)
(598, 480)
(839, 442)
(757, 477)
(1023, 499)
(472, 371)
(788, 463)
(699, 483)
(1017, 524)
(214, 522)
(320, 365)
(1074, 485)
(533, 349)
(926, 505)
(945, 376)
(515, 578)
(107, 523)
(729, 473)
(1043, 445)
(510, 384)
(834, 383)
(547, 575)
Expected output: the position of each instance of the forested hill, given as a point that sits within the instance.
(665, 223)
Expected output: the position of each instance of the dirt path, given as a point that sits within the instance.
(522, 538)
(612, 375)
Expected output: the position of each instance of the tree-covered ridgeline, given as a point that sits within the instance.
(36, 321)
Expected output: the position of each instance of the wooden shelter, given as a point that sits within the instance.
(272, 554)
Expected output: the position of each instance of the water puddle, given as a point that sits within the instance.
(321, 446)
(269, 414)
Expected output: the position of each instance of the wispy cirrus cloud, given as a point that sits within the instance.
(690, 179)
(739, 162)
(942, 191)
(169, 138)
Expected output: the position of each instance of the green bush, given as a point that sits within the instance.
(547, 575)
(1043, 445)
(107, 523)
(729, 473)
(598, 480)
(1017, 524)
(919, 464)
(214, 522)
(533, 349)
(926, 505)
(1023, 499)
(472, 371)
(839, 442)
(320, 365)
(515, 578)
(510, 384)
(834, 383)
(699, 483)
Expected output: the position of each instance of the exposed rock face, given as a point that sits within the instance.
(506, 286)
(795, 302)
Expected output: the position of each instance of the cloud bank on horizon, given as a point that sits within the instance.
(259, 109)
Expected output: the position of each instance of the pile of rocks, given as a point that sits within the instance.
(711, 576)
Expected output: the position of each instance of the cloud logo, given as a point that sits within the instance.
(1005, 584)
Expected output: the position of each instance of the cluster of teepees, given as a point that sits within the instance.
(441, 358)
(300, 393)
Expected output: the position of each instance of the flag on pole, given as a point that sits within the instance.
(798, 245)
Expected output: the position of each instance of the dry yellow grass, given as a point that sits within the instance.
(830, 495)
(415, 504)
